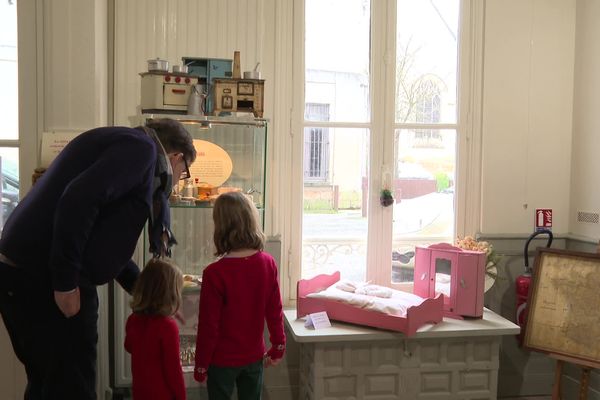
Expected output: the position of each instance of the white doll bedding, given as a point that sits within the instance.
(380, 298)
(442, 284)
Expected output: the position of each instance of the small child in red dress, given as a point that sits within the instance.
(239, 292)
(152, 335)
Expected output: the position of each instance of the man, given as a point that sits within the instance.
(78, 228)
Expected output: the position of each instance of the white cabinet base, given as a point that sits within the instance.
(452, 368)
(451, 360)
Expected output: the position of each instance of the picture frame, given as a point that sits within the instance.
(564, 306)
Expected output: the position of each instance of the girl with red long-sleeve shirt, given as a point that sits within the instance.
(239, 292)
(152, 335)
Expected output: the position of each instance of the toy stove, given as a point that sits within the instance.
(166, 92)
(239, 95)
(456, 273)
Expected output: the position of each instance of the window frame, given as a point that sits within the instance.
(28, 92)
(382, 74)
(31, 89)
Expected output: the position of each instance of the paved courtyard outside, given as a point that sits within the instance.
(338, 241)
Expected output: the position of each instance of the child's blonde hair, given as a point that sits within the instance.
(157, 290)
(236, 224)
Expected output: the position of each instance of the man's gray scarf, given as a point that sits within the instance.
(160, 216)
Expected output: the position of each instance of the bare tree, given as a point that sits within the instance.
(413, 89)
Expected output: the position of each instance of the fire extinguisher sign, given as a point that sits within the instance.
(543, 218)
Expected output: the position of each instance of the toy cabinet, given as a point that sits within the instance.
(456, 273)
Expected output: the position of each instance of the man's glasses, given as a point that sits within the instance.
(186, 172)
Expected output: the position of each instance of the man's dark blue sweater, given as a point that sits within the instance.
(86, 213)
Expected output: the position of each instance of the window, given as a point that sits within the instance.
(316, 145)
(316, 154)
(428, 112)
(371, 124)
(9, 112)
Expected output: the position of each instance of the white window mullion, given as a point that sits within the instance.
(468, 195)
(383, 57)
(295, 138)
(385, 264)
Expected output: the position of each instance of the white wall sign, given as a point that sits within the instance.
(52, 144)
(213, 165)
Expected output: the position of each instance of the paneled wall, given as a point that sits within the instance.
(585, 167)
(73, 64)
(527, 113)
(146, 29)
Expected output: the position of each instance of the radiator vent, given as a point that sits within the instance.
(589, 217)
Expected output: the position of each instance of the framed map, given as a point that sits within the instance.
(564, 305)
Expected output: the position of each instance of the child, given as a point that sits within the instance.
(239, 292)
(152, 335)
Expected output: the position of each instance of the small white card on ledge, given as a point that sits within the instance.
(317, 320)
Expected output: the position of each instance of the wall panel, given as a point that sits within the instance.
(74, 64)
(585, 166)
(527, 113)
(172, 29)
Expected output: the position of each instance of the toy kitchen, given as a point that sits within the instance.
(201, 86)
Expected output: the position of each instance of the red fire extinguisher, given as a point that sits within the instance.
(523, 282)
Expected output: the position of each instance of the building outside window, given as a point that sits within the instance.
(389, 125)
(428, 112)
(316, 145)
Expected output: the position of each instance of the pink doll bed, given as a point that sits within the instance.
(430, 310)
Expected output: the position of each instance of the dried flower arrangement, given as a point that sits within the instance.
(492, 258)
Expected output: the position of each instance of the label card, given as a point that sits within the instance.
(317, 320)
(52, 144)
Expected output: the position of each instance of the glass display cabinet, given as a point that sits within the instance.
(231, 156)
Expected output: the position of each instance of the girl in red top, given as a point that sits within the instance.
(239, 292)
(152, 335)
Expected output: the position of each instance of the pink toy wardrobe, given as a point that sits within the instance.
(456, 273)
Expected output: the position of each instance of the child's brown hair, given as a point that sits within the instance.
(157, 290)
(236, 224)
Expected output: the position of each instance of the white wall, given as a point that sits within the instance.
(75, 64)
(527, 113)
(585, 165)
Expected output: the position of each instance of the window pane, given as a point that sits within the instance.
(426, 61)
(337, 58)
(9, 166)
(9, 104)
(334, 224)
(425, 166)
